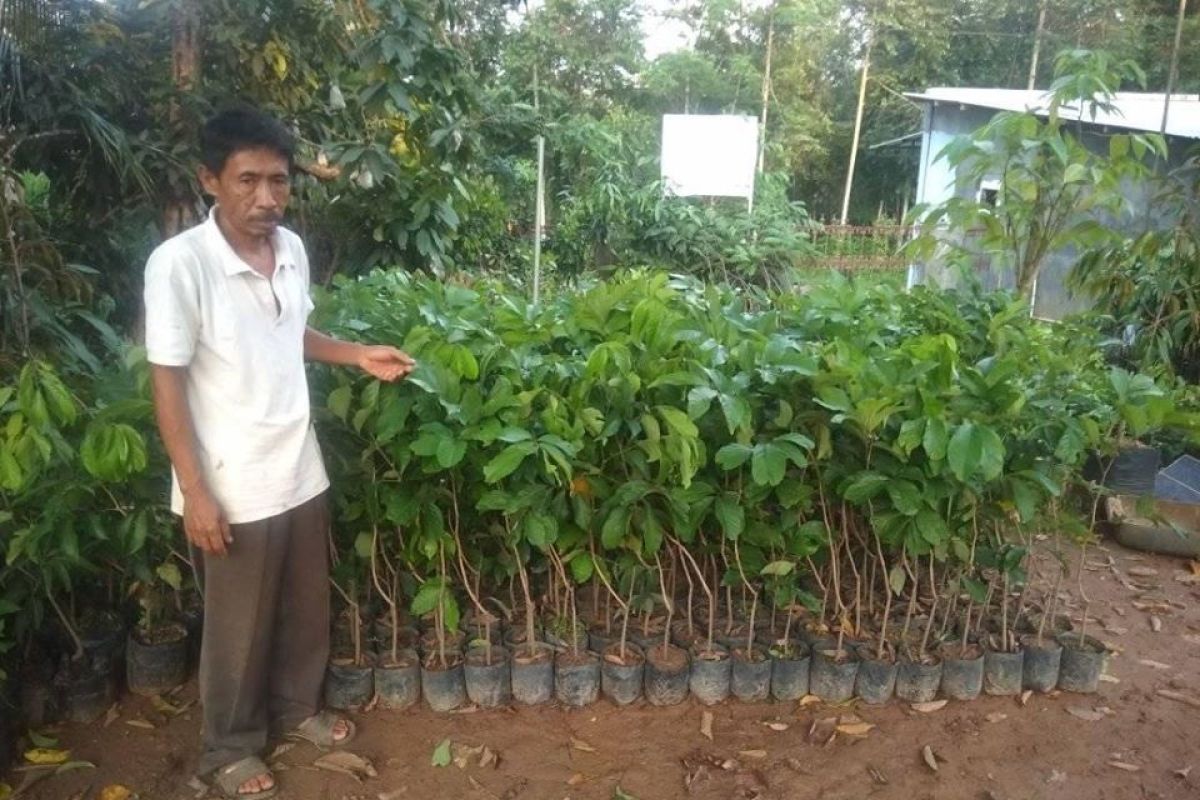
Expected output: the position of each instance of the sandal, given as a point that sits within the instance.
(229, 779)
(318, 730)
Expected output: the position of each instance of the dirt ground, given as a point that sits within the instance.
(991, 748)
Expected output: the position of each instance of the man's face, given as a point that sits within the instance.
(252, 189)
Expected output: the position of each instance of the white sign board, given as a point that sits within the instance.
(709, 154)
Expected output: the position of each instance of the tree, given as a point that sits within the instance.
(1054, 192)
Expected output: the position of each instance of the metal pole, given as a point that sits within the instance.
(539, 213)
(858, 115)
(1174, 66)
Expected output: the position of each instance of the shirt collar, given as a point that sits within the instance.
(234, 264)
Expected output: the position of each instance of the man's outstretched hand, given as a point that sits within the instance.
(385, 363)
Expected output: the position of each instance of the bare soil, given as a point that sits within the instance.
(1055, 746)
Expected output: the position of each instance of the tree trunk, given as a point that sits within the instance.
(178, 211)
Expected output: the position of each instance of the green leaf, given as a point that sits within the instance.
(582, 567)
(441, 754)
(905, 497)
(931, 526)
(450, 452)
(732, 456)
(427, 598)
(731, 516)
(652, 533)
(699, 400)
(976, 589)
(678, 421)
(169, 574)
(364, 543)
(866, 486)
(509, 459)
(897, 577)
(779, 568)
(615, 527)
(768, 465)
(339, 402)
(935, 439)
(975, 449)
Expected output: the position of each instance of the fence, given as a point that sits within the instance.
(857, 248)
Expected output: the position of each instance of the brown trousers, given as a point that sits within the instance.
(266, 631)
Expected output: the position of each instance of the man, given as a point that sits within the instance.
(226, 336)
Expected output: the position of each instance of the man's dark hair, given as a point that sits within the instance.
(243, 128)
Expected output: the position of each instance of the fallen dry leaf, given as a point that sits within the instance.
(809, 700)
(461, 754)
(706, 723)
(579, 744)
(930, 758)
(1179, 697)
(822, 731)
(140, 723)
(1191, 638)
(1155, 623)
(1025, 695)
(752, 753)
(1088, 714)
(489, 758)
(1183, 773)
(1143, 572)
(1056, 777)
(854, 728)
(996, 716)
(1105, 677)
(1146, 662)
(395, 794)
(115, 791)
(576, 779)
(777, 726)
(931, 706)
(346, 763)
(112, 715)
(877, 776)
(1125, 766)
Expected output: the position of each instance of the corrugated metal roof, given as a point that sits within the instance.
(1135, 111)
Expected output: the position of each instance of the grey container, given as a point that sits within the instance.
(1082, 664)
(622, 682)
(444, 689)
(962, 677)
(398, 682)
(832, 674)
(577, 678)
(875, 681)
(488, 679)
(918, 681)
(533, 675)
(789, 673)
(750, 678)
(711, 674)
(1039, 671)
(666, 678)
(1003, 672)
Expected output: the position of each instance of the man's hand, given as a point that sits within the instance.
(385, 363)
(204, 522)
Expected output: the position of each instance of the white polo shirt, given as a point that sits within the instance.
(210, 311)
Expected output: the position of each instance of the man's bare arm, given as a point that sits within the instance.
(385, 363)
(203, 520)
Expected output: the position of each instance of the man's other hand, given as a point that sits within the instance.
(204, 522)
